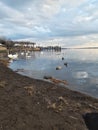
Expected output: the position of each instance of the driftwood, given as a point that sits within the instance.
(54, 80)
(47, 77)
(57, 81)
(19, 70)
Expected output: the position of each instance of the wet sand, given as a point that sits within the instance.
(29, 104)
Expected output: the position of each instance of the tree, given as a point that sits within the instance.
(2, 40)
(33, 44)
(7, 43)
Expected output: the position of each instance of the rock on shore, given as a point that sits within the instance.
(29, 104)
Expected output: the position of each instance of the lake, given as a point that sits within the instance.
(81, 71)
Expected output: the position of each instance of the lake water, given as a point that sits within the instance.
(81, 71)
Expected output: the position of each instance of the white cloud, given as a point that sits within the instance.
(58, 21)
(42, 29)
(75, 3)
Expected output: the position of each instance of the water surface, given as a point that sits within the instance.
(81, 72)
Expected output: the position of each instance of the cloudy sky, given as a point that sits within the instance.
(65, 22)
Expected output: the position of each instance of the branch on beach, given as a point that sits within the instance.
(56, 81)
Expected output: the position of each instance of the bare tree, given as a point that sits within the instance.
(7, 43)
(33, 44)
(2, 40)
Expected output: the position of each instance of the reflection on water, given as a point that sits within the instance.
(80, 75)
(80, 72)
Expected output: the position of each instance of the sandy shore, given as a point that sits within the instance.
(28, 104)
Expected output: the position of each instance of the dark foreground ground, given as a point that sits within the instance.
(28, 104)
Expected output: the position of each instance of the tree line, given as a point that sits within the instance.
(6, 42)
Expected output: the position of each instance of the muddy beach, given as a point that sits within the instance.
(29, 104)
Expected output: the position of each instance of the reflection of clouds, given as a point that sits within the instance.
(81, 81)
(51, 55)
(84, 55)
(94, 81)
(80, 75)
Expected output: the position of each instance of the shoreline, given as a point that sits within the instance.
(32, 104)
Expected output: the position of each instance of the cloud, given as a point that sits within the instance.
(66, 22)
(17, 4)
